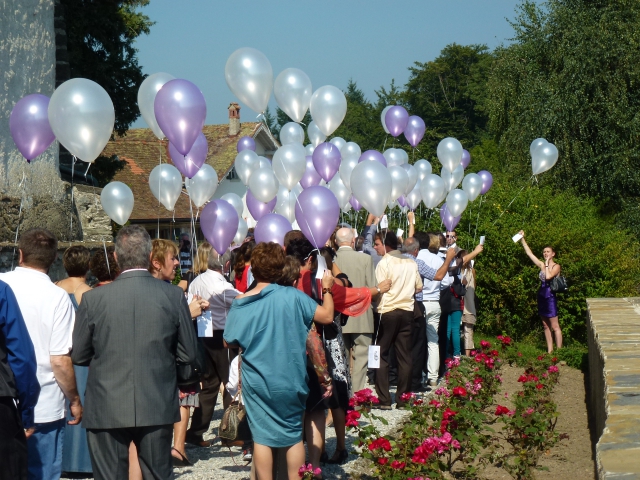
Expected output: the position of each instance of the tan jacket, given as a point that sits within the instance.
(358, 267)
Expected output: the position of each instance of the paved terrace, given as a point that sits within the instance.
(614, 371)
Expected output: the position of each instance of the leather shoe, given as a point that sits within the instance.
(198, 442)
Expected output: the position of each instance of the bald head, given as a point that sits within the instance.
(411, 246)
(344, 237)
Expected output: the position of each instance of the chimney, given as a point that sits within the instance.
(234, 119)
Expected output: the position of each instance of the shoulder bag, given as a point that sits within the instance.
(558, 284)
(234, 427)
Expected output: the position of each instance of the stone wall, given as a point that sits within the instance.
(96, 225)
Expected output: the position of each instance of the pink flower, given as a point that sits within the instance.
(459, 391)
(448, 414)
(363, 397)
(553, 369)
(405, 397)
(501, 410)
(435, 403)
(380, 443)
(484, 344)
(455, 444)
(539, 386)
(519, 354)
(352, 418)
(383, 461)
(398, 465)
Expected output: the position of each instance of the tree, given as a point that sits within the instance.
(362, 121)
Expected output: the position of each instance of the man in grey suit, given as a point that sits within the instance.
(358, 331)
(131, 333)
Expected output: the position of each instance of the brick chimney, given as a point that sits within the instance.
(234, 119)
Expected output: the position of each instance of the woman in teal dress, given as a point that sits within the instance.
(270, 323)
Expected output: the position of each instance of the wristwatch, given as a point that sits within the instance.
(378, 288)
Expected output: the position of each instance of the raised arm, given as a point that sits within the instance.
(411, 216)
(538, 263)
(442, 271)
(325, 312)
(470, 256)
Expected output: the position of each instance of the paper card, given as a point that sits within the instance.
(322, 266)
(205, 325)
(413, 220)
(374, 356)
(384, 222)
(399, 232)
(516, 237)
(482, 240)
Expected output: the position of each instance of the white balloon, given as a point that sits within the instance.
(392, 204)
(81, 116)
(338, 142)
(413, 176)
(246, 163)
(472, 185)
(382, 115)
(147, 95)
(117, 201)
(371, 185)
(342, 193)
(346, 208)
(286, 204)
(202, 186)
(250, 77)
(423, 168)
(413, 198)
(345, 170)
(241, 234)
(544, 157)
(264, 162)
(291, 133)
(264, 185)
(404, 156)
(165, 182)
(432, 189)
(393, 157)
(292, 89)
(449, 153)
(452, 179)
(399, 181)
(297, 189)
(289, 164)
(457, 202)
(316, 137)
(328, 108)
(235, 201)
(351, 150)
(535, 144)
(309, 149)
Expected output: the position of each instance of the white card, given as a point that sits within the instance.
(399, 232)
(482, 240)
(384, 222)
(374, 356)
(413, 220)
(205, 325)
(322, 266)
(516, 237)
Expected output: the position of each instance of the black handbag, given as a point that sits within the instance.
(559, 284)
(190, 373)
(234, 427)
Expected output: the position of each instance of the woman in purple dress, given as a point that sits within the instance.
(547, 304)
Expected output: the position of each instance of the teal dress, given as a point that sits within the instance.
(271, 328)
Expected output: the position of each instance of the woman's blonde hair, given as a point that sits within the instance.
(201, 261)
(160, 248)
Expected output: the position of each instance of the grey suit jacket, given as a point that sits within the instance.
(130, 333)
(359, 268)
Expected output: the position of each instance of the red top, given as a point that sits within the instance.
(241, 280)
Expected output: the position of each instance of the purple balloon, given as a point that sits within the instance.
(355, 203)
(190, 163)
(259, 209)
(396, 120)
(402, 201)
(317, 213)
(373, 155)
(449, 220)
(487, 181)
(219, 223)
(246, 143)
(466, 159)
(180, 111)
(414, 130)
(272, 228)
(29, 125)
(311, 177)
(326, 160)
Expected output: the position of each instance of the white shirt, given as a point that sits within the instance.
(214, 288)
(49, 316)
(430, 288)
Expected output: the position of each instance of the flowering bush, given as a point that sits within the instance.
(307, 472)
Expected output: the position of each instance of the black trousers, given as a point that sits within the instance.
(109, 451)
(216, 373)
(418, 345)
(13, 443)
(395, 329)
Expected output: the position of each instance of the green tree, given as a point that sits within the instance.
(362, 121)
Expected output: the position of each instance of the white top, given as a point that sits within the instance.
(214, 288)
(430, 288)
(232, 384)
(49, 316)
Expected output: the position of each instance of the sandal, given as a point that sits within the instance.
(183, 461)
(339, 457)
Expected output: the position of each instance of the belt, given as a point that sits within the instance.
(431, 301)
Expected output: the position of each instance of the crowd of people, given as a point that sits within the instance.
(115, 376)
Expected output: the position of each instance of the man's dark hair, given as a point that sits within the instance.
(292, 235)
(359, 246)
(391, 241)
(39, 248)
(423, 239)
(133, 248)
(76, 260)
(102, 270)
(301, 249)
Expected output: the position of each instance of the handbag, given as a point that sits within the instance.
(559, 284)
(234, 428)
(190, 373)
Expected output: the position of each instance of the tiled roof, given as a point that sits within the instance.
(142, 150)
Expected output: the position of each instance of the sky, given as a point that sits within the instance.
(371, 42)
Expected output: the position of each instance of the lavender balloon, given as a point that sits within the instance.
(190, 163)
(449, 220)
(246, 143)
(355, 203)
(311, 177)
(402, 201)
(29, 125)
(259, 209)
(326, 160)
(466, 159)
(487, 181)
(180, 110)
(272, 228)
(317, 213)
(396, 120)
(219, 223)
(373, 155)
(414, 130)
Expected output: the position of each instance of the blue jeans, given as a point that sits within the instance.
(45, 450)
(453, 333)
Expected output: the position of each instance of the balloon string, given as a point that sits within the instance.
(73, 164)
(513, 200)
(21, 186)
(106, 257)
(159, 177)
(385, 142)
(477, 219)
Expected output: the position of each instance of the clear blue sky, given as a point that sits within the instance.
(372, 41)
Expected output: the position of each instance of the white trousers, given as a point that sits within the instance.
(432, 311)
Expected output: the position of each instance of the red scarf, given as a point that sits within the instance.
(350, 301)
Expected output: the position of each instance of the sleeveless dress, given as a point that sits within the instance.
(75, 450)
(547, 303)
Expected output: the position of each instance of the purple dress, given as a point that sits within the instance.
(547, 305)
